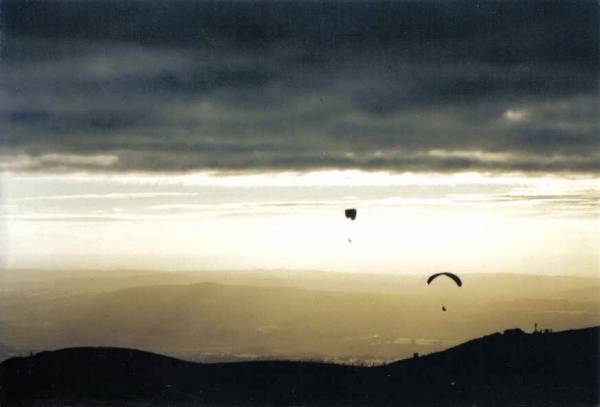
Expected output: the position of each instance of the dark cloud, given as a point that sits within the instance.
(186, 85)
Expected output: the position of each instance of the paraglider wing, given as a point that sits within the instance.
(350, 213)
(454, 277)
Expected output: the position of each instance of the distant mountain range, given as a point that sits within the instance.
(513, 368)
(233, 316)
(489, 285)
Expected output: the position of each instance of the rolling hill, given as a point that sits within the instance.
(558, 369)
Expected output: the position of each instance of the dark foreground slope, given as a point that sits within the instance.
(499, 369)
(557, 367)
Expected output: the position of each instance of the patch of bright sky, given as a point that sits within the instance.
(407, 223)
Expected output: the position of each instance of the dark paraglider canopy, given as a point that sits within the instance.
(450, 275)
(350, 213)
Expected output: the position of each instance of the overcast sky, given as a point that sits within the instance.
(121, 117)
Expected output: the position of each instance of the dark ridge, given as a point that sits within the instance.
(542, 368)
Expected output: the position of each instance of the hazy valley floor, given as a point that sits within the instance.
(243, 316)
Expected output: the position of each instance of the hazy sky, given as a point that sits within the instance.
(188, 134)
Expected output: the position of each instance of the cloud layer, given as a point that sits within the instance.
(149, 86)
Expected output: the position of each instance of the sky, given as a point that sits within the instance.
(232, 134)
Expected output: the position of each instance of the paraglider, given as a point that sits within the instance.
(454, 277)
(350, 213)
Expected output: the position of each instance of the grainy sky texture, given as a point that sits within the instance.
(402, 86)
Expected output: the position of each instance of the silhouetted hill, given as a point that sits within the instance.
(514, 364)
(501, 369)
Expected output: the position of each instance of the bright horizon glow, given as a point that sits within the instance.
(472, 222)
